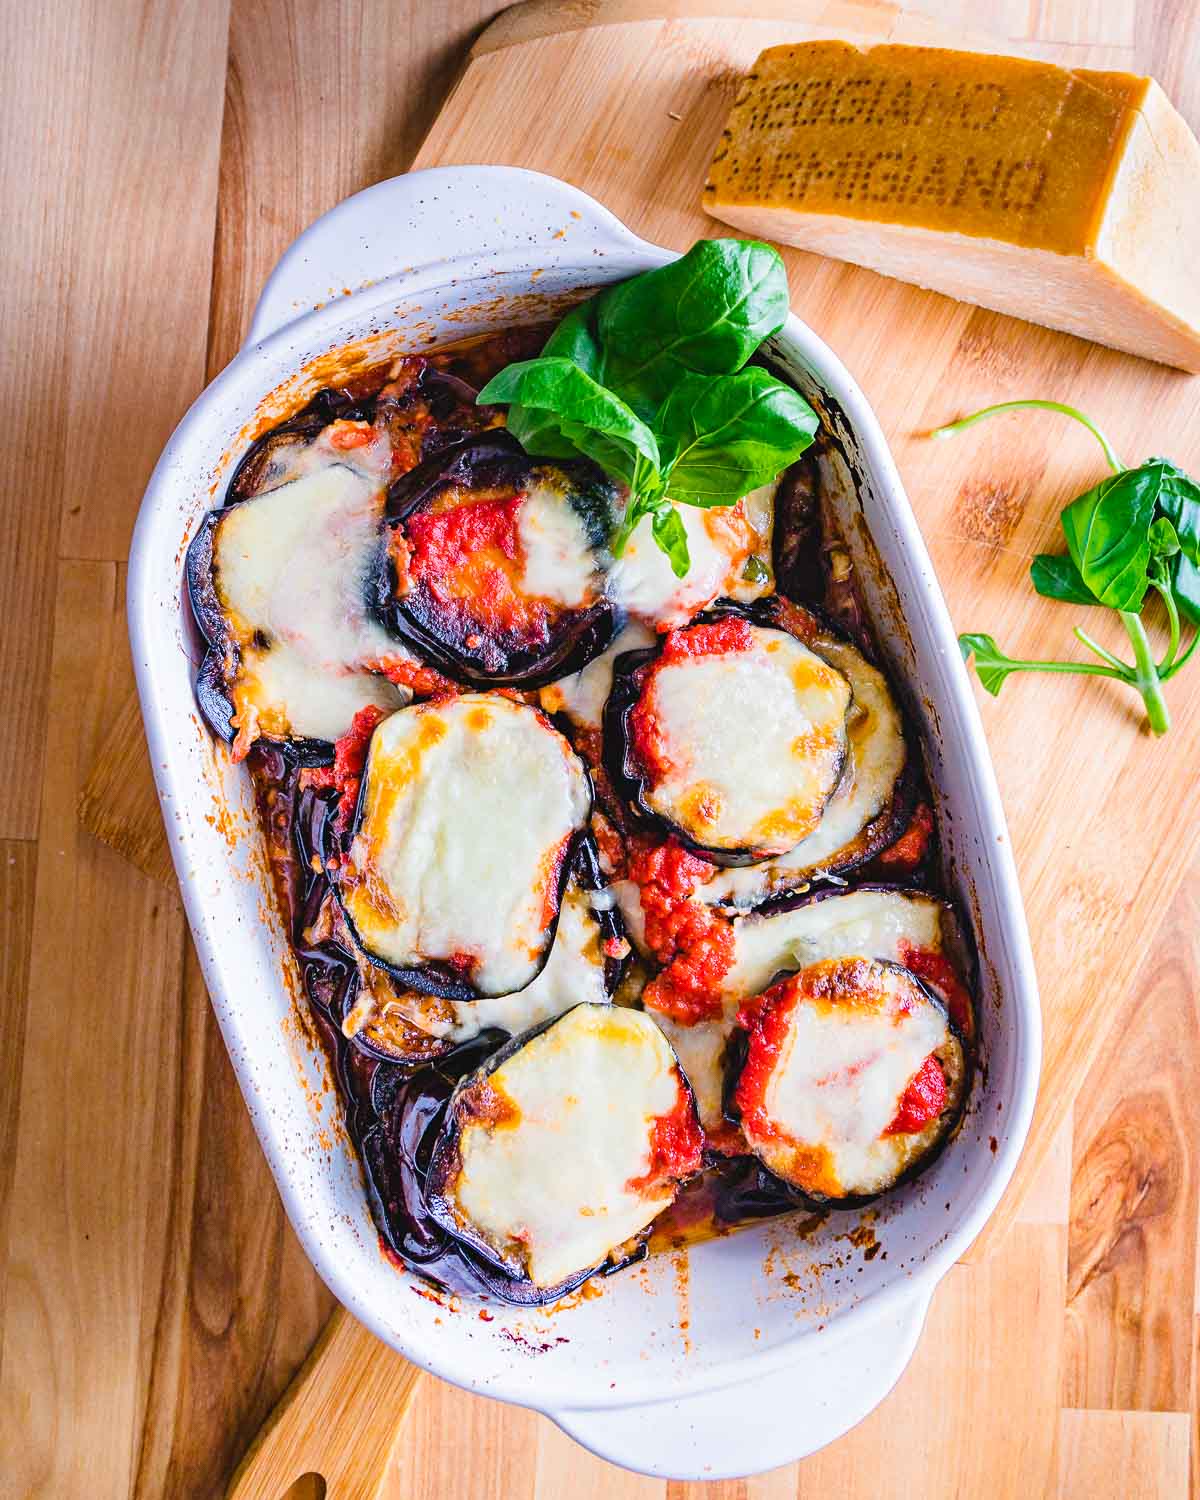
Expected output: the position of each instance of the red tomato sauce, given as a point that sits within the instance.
(693, 942)
(423, 681)
(349, 758)
(469, 558)
(938, 972)
(767, 1018)
(923, 1100)
(676, 1148)
(913, 844)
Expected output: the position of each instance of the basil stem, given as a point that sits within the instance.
(963, 423)
(1146, 678)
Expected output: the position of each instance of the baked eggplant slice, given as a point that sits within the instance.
(853, 1078)
(456, 862)
(729, 551)
(919, 931)
(893, 924)
(277, 583)
(872, 804)
(732, 734)
(494, 565)
(565, 1145)
(585, 964)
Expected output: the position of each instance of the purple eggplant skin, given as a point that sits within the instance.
(491, 459)
(796, 534)
(620, 762)
(735, 1059)
(435, 977)
(445, 1162)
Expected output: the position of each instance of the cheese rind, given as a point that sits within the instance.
(1061, 196)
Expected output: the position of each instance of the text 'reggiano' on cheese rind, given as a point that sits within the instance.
(1068, 197)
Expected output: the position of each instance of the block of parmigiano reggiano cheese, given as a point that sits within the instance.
(1071, 198)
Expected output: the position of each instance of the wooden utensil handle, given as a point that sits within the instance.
(340, 1419)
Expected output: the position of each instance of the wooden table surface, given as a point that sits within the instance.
(155, 158)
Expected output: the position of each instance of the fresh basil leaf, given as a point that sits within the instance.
(705, 313)
(1164, 542)
(1057, 577)
(1107, 531)
(671, 537)
(1179, 501)
(991, 664)
(552, 403)
(1185, 586)
(721, 438)
(575, 339)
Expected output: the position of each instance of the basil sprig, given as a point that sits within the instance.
(1137, 530)
(649, 380)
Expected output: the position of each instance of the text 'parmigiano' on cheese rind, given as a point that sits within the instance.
(1068, 197)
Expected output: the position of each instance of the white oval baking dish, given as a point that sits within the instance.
(670, 1369)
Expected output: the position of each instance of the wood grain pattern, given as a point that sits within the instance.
(157, 1303)
(318, 1427)
(119, 801)
(18, 870)
(1135, 1197)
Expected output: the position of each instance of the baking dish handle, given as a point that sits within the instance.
(436, 216)
(761, 1423)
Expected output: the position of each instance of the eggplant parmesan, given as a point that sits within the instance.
(278, 584)
(494, 566)
(676, 740)
(853, 1075)
(566, 1145)
(455, 866)
(613, 891)
(892, 924)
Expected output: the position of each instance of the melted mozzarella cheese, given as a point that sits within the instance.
(837, 1083)
(755, 742)
(468, 805)
(582, 696)
(863, 923)
(290, 569)
(559, 563)
(876, 754)
(547, 1187)
(574, 973)
(701, 1052)
(719, 545)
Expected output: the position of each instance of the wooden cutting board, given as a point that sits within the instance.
(626, 99)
